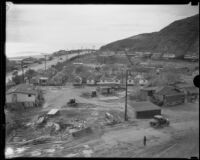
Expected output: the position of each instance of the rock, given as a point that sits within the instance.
(87, 153)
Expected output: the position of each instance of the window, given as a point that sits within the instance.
(29, 95)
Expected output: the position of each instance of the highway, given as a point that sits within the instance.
(48, 64)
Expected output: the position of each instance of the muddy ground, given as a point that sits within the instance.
(124, 139)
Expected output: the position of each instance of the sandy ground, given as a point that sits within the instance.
(180, 139)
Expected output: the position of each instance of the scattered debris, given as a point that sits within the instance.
(110, 119)
(35, 153)
(20, 150)
(53, 112)
(40, 140)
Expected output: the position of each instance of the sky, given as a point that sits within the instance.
(36, 29)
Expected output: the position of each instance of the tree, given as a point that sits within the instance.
(30, 73)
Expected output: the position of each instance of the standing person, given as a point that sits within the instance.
(145, 139)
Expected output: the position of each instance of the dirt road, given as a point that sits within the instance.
(48, 64)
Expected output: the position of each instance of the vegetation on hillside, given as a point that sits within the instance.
(180, 37)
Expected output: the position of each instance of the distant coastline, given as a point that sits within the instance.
(25, 56)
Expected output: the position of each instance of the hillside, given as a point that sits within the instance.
(180, 37)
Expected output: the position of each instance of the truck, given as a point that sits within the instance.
(159, 121)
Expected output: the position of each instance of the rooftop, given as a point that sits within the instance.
(22, 88)
(168, 90)
(144, 106)
(53, 111)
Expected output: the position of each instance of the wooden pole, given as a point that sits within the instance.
(125, 115)
(22, 71)
(45, 62)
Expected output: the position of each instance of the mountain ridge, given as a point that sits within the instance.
(180, 37)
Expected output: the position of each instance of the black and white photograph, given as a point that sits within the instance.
(101, 80)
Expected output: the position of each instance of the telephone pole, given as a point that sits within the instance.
(22, 71)
(45, 62)
(125, 114)
(45, 65)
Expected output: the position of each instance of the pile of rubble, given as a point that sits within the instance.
(111, 119)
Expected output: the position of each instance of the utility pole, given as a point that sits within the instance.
(22, 71)
(125, 114)
(45, 62)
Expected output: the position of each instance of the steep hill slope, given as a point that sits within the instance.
(180, 37)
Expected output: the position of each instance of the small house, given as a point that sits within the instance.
(191, 57)
(145, 109)
(77, 81)
(147, 55)
(43, 80)
(24, 94)
(106, 90)
(109, 81)
(143, 82)
(169, 56)
(170, 96)
(191, 92)
(130, 81)
(91, 80)
(156, 55)
(147, 92)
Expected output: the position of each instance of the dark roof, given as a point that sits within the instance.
(23, 88)
(144, 106)
(191, 89)
(184, 85)
(168, 90)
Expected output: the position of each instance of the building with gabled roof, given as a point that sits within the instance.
(191, 92)
(156, 55)
(145, 109)
(91, 80)
(109, 81)
(168, 56)
(25, 94)
(170, 95)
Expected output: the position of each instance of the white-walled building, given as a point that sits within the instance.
(23, 93)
